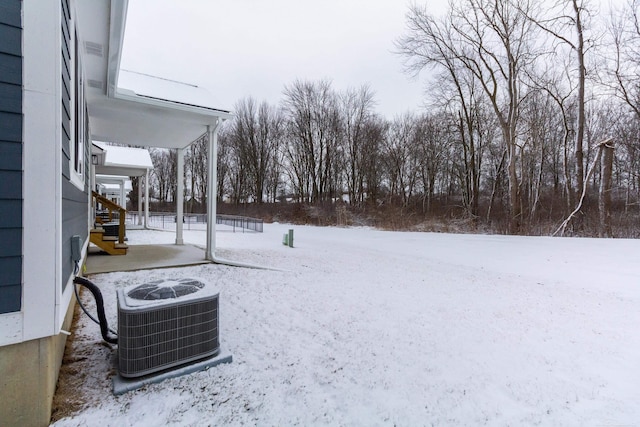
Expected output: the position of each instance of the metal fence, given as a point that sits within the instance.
(243, 222)
(167, 220)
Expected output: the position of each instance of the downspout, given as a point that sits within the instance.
(222, 261)
(212, 178)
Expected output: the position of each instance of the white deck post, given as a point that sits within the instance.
(146, 200)
(92, 213)
(140, 200)
(179, 196)
(123, 197)
(212, 168)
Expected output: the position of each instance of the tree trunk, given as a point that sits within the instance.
(605, 189)
(495, 185)
(581, 103)
(601, 146)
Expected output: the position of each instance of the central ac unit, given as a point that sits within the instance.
(166, 323)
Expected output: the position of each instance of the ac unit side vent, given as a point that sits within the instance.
(161, 336)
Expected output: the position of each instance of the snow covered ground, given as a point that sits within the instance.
(367, 327)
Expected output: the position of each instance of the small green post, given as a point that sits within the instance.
(285, 239)
(290, 238)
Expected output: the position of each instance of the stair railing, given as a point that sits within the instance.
(111, 206)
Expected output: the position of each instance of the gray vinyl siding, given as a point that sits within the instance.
(74, 222)
(10, 156)
(75, 204)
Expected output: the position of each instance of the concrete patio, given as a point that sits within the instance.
(144, 257)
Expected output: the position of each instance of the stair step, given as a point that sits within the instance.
(107, 244)
(118, 251)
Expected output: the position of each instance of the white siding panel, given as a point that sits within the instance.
(10, 328)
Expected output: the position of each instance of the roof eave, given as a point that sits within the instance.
(126, 95)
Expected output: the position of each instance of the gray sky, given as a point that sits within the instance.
(254, 48)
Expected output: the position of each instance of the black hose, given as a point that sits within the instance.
(104, 326)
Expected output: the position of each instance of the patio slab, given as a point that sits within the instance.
(144, 257)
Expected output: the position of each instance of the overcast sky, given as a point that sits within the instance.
(242, 48)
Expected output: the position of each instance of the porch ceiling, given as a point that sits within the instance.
(144, 124)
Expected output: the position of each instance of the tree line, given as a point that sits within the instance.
(533, 117)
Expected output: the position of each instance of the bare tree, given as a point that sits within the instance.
(541, 131)
(604, 205)
(432, 42)
(400, 154)
(356, 109)
(491, 39)
(196, 173)
(559, 88)
(579, 11)
(628, 157)
(255, 133)
(624, 29)
(374, 133)
(434, 137)
(225, 153)
(164, 172)
(312, 138)
(600, 147)
(568, 22)
(237, 177)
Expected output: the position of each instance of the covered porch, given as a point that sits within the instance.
(112, 168)
(140, 110)
(145, 257)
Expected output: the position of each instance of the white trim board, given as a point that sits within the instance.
(42, 156)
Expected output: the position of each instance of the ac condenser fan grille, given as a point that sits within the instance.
(165, 289)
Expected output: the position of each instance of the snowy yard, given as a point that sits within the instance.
(368, 327)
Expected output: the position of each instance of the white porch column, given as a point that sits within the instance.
(92, 209)
(123, 197)
(140, 200)
(212, 178)
(179, 196)
(146, 200)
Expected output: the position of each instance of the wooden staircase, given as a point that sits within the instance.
(110, 244)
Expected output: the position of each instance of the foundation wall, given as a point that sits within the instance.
(28, 377)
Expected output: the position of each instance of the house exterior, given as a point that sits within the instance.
(113, 166)
(59, 66)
